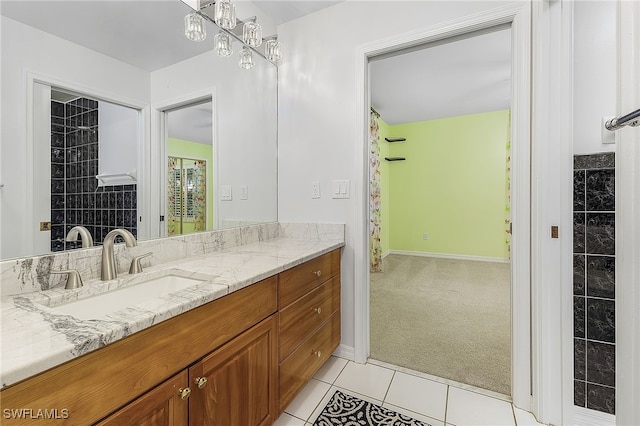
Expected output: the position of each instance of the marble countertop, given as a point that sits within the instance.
(35, 337)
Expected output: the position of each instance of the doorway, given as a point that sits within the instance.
(440, 278)
(189, 163)
(519, 16)
(86, 156)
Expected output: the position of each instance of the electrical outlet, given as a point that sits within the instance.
(315, 190)
(244, 192)
(425, 236)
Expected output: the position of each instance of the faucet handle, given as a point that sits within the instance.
(136, 267)
(73, 278)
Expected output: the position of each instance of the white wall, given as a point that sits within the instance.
(245, 145)
(26, 50)
(319, 134)
(119, 129)
(595, 73)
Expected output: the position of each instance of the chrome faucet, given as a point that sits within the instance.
(85, 236)
(108, 269)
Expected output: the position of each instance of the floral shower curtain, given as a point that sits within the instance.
(186, 194)
(199, 195)
(172, 220)
(507, 210)
(375, 246)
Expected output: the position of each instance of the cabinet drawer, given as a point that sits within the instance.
(303, 317)
(299, 280)
(299, 367)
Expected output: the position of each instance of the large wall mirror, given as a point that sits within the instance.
(101, 100)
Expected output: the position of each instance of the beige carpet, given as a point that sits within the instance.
(448, 318)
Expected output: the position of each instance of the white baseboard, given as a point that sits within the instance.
(586, 417)
(386, 253)
(346, 352)
(448, 256)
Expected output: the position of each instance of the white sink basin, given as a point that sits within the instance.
(99, 305)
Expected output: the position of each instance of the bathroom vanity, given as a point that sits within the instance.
(238, 359)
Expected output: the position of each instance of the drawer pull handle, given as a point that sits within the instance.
(317, 273)
(201, 382)
(318, 310)
(184, 393)
(317, 353)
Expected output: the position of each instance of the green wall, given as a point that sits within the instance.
(452, 185)
(195, 150)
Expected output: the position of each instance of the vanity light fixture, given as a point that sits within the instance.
(194, 27)
(246, 58)
(222, 44)
(252, 33)
(273, 50)
(225, 14)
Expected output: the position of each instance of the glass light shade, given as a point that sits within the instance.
(194, 27)
(246, 58)
(225, 14)
(222, 44)
(273, 51)
(252, 34)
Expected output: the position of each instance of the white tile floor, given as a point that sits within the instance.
(429, 401)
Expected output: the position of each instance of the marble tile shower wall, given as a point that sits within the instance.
(594, 281)
(76, 198)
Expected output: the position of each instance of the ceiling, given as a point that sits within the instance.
(428, 82)
(284, 11)
(148, 34)
(192, 123)
(466, 76)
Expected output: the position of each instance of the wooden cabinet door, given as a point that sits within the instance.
(161, 406)
(241, 381)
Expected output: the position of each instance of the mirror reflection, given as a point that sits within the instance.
(93, 171)
(190, 183)
(139, 94)
(187, 196)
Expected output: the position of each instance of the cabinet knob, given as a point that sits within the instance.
(201, 382)
(318, 310)
(317, 273)
(317, 353)
(184, 393)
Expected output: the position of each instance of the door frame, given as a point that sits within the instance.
(158, 154)
(519, 15)
(627, 227)
(32, 78)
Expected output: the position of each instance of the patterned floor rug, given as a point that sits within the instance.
(348, 410)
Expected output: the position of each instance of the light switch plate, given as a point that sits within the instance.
(341, 189)
(225, 193)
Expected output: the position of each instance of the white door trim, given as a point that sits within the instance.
(627, 224)
(519, 14)
(34, 77)
(158, 155)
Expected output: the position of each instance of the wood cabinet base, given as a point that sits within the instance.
(224, 354)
